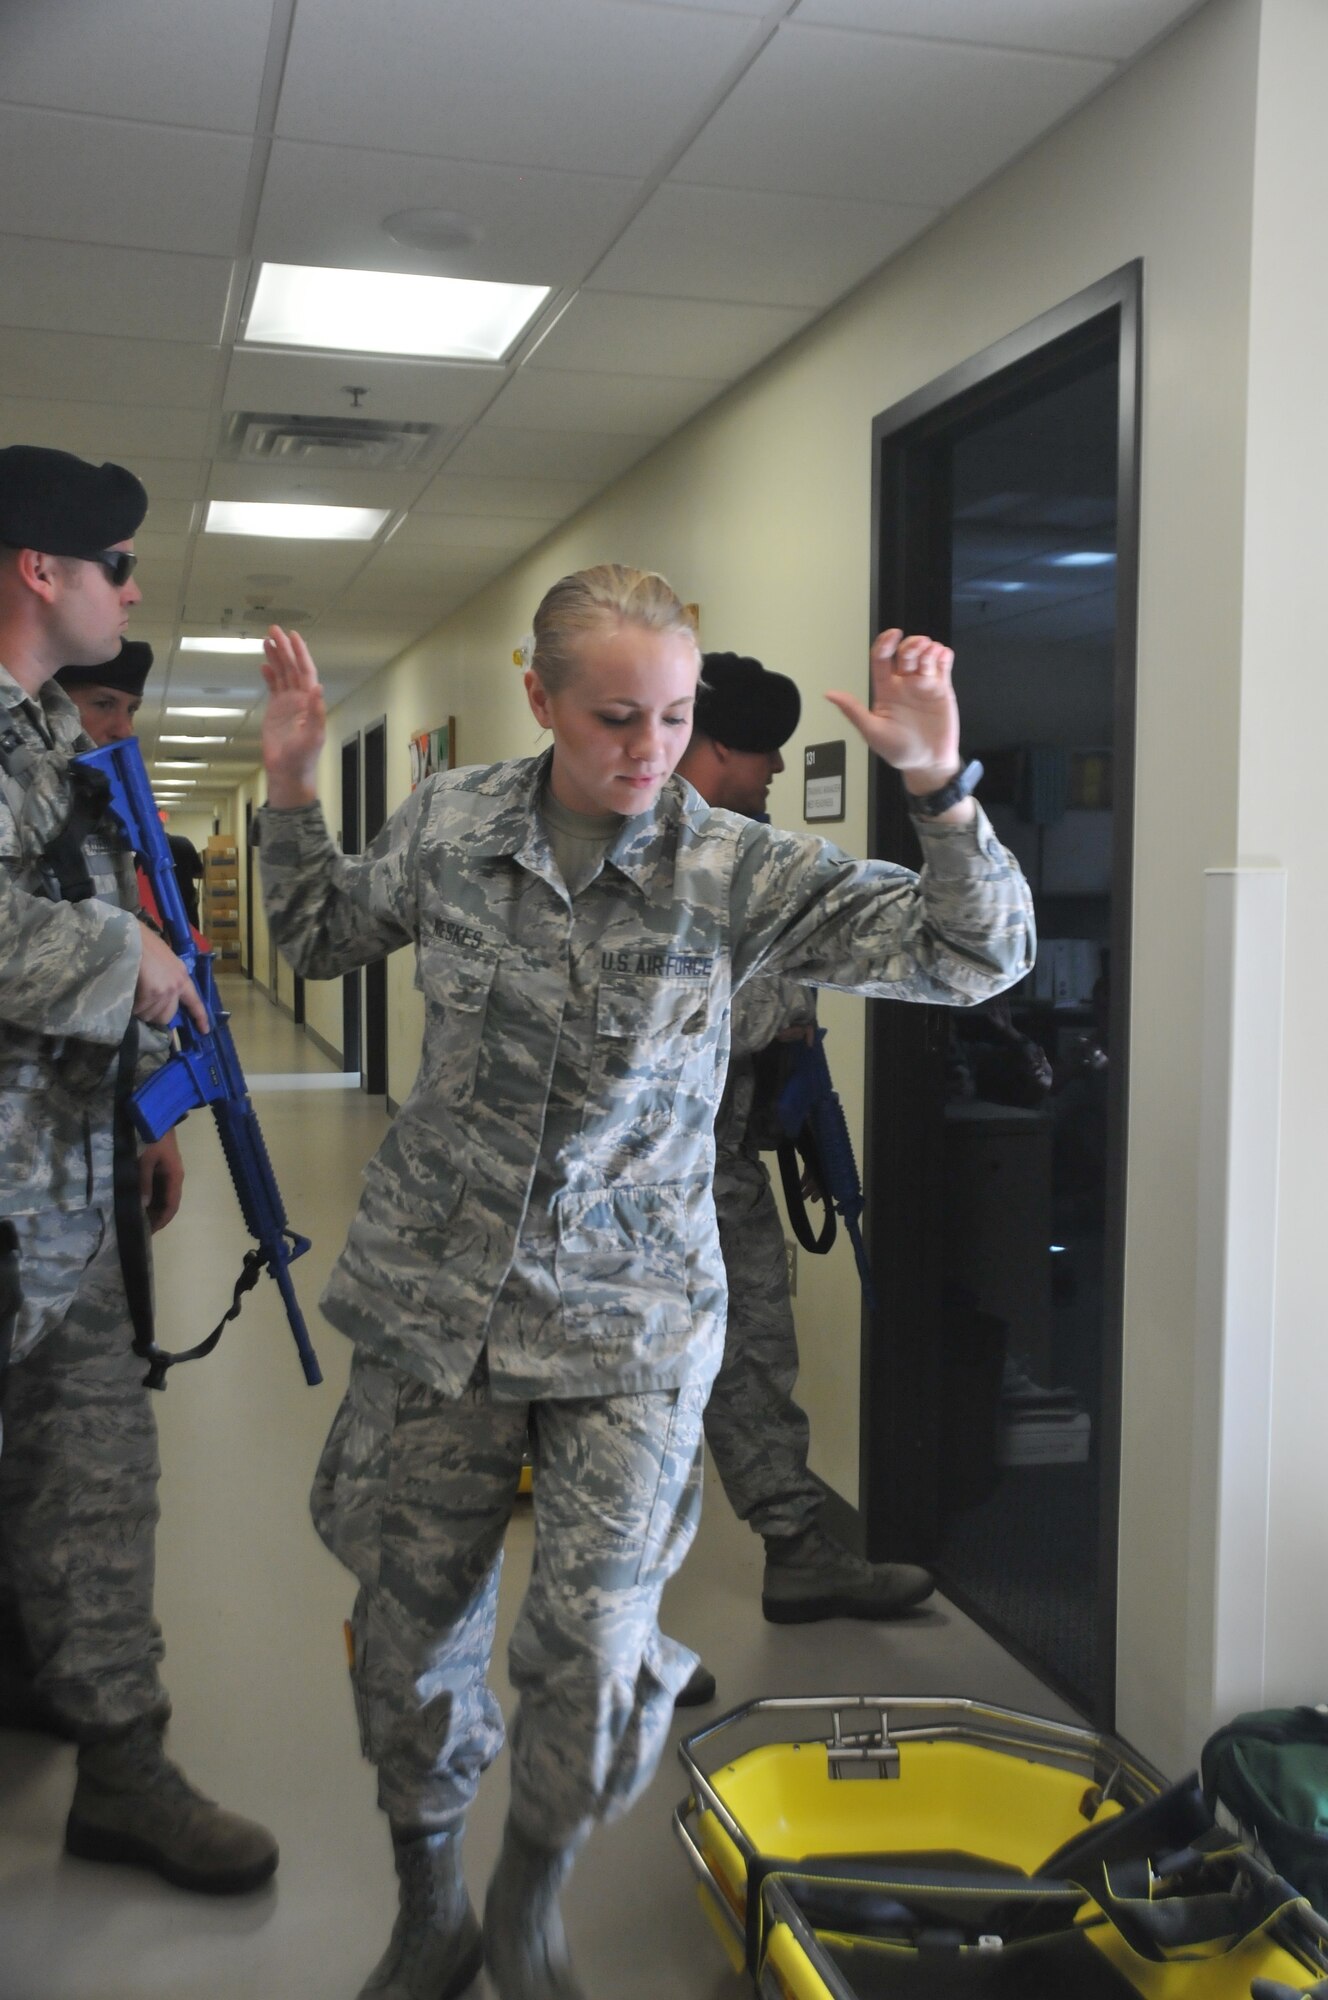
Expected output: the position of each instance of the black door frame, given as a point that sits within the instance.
(351, 1014)
(374, 1078)
(898, 1493)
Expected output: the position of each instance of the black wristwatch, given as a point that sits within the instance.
(929, 805)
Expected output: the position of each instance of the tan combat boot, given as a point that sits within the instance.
(811, 1576)
(132, 1805)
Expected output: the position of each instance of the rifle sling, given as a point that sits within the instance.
(11, 1294)
(790, 1175)
(132, 1234)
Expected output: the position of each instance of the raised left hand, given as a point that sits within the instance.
(913, 721)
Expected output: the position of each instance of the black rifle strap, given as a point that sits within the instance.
(131, 1223)
(90, 801)
(132, 1235)
(11, 1294)
(790, 1175)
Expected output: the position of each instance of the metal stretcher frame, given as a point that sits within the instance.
(802, 1968)
(1103, 1760)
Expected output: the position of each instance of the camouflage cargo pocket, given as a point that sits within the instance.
(620, 1264)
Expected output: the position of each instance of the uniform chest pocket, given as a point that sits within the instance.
(456, 989)
(645, 1034)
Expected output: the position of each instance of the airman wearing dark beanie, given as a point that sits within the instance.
(744, 715)
(79, 1645)
(758, 1436)
(127, 671)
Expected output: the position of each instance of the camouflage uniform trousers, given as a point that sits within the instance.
(413, 1494)
(78, 1482)
(758, 1436)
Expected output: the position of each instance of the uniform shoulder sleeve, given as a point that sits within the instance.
(957, 932)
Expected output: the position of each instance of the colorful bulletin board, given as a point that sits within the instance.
(432, 750)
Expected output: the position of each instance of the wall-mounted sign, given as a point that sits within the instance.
(432, 750)
(823, 781)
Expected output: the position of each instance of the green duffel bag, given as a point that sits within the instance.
(1269, 1770)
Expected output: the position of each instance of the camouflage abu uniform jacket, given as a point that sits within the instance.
(546, 1187)
(67, 970)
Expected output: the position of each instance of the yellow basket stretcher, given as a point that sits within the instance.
(962, 1808)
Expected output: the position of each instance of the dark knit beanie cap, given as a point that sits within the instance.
(127, 671)
(743, 705)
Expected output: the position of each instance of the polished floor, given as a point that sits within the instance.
(252, 1609)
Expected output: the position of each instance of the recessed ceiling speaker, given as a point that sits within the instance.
(433, 229)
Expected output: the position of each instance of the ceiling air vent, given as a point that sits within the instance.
(327, 444)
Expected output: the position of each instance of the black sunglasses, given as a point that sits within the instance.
(119, 564)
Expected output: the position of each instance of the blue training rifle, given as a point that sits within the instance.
(811, 1118)
(205, 1069)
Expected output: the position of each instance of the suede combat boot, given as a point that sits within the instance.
(701, 1687)
(811, 1576)
(525, 1948)
(131, 1804)
(434, 1952)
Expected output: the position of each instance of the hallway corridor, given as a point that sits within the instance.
(252, 1608)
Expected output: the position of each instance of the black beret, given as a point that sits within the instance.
(127, 671)
(52, 501)
(741, 704)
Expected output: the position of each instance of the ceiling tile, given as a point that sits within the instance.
(230, 480)
(362, 644)
(423, 534)
(171, 478)
(317, 385)
(557, 399)
(328, 204)
(103, 430)
(830, 112)
(1117, 29)
(754, 8)
(168, 517)
(580, 455)
(214, 604)
(95, 369)
(576, 86)
(150, 59)
(762, 249)
(167, 189)
(253, 566)
(71, 287)
(460, 493)
(708, 340)
(384, 590)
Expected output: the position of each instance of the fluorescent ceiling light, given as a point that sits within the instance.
(192, 739)
(206, 713)
(223, 645)
(1084, 559)
(179, 764)
(389, 312)
(293, 522)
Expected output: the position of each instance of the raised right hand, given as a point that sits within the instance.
(164, 986)
(295, 723)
